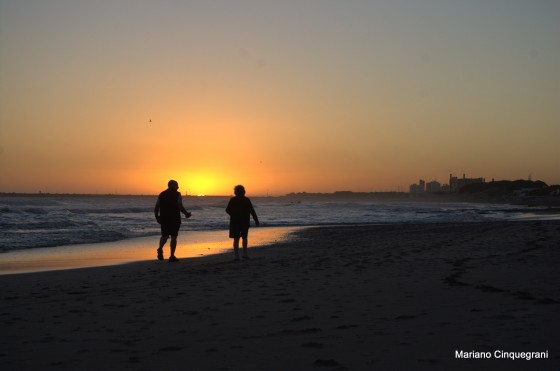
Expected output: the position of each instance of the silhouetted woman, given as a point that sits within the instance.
(240, 210)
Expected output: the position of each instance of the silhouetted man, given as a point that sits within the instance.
(168, 210)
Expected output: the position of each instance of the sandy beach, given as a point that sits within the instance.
(394, 297)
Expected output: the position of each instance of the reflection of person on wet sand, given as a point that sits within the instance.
(240, 210)
(168, 210)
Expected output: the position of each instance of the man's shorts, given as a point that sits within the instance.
(170, 229)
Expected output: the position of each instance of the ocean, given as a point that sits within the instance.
(48, 221)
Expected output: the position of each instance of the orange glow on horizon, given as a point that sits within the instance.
(202, 184)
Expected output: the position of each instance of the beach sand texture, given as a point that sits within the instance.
(393, 297)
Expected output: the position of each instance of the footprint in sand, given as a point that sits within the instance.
(326, 363)
(312, 345)
(303, 318)
(170, 349)
(345, 327)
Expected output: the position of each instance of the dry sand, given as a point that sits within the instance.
(337, 298)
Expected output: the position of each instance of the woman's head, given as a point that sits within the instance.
(239, 190)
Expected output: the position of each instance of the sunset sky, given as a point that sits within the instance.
(281, 96)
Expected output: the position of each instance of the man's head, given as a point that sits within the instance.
(172, 184)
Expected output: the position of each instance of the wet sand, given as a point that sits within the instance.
(190, 244)
(338, 298)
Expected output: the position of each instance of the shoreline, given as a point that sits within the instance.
(140, 248)
(190, 244)
(344, 297)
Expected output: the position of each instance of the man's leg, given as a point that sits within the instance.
(173, 246)
(162, 242)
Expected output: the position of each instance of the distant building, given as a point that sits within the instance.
(418, 188)
(423, 187)
(432, 187)
(454, 185)
(457, 183)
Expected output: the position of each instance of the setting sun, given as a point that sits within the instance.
(202, 184)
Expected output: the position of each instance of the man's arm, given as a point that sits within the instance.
(181, 207)
(184, 211)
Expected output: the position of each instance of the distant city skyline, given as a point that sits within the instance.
(453, 185)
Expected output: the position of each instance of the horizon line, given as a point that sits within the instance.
(339, 192)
